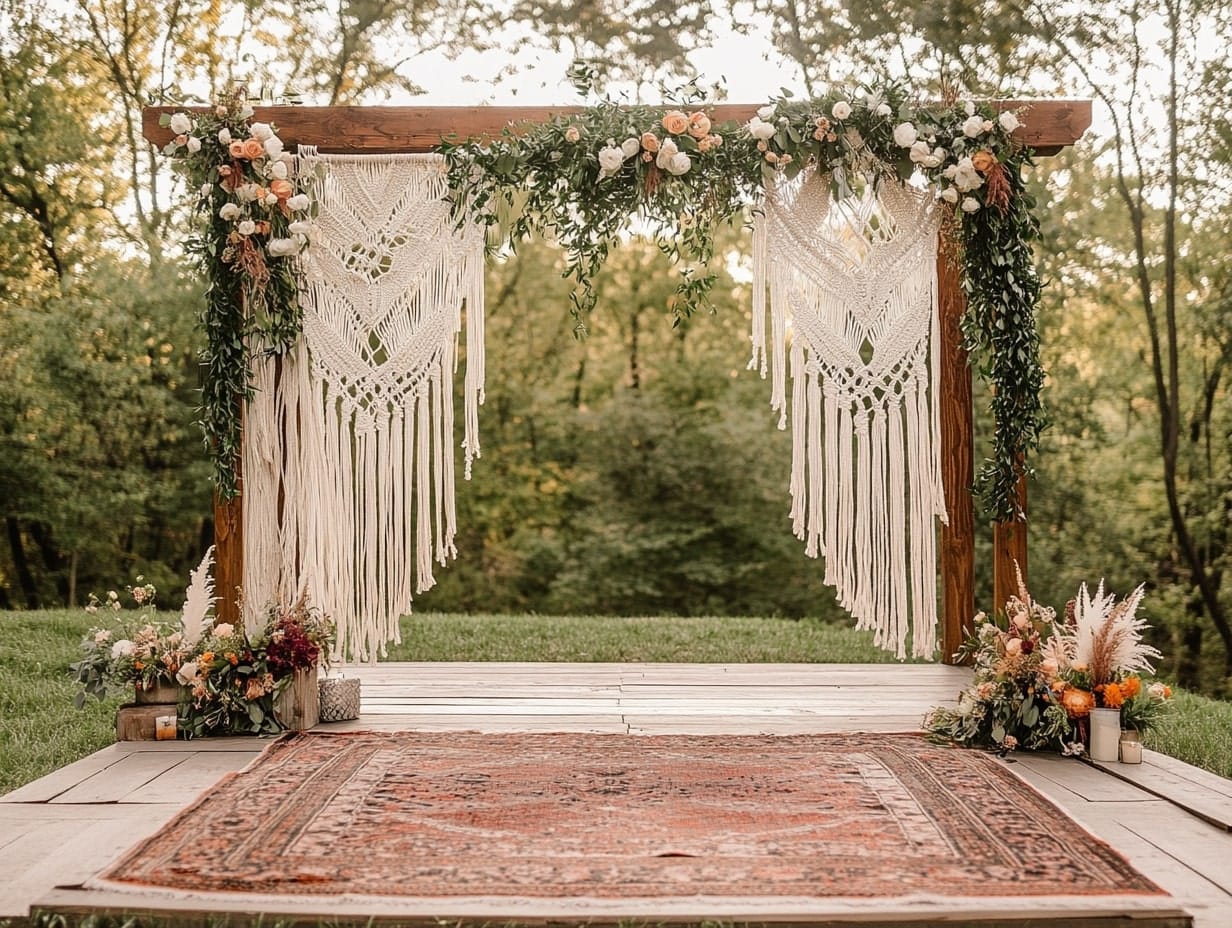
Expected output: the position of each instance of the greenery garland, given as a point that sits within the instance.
(583, 178)
(253, 219)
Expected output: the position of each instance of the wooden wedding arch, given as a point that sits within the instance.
(1047, 126)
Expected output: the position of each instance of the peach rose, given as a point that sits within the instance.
(675, 122)
(699, 125)
(282, 189)
(650, 141)
(236, 149)
(253, 149)
(983, 160)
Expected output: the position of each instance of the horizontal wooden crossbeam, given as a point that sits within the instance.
(1048, 125)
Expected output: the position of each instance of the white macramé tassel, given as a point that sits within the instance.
(259, 469)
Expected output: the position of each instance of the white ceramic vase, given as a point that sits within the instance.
(1105, 734)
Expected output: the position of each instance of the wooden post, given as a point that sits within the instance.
(1009, 545)
(228, 557)
(957, 457)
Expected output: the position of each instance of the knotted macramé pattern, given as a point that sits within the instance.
(349, 465)
(852, 288)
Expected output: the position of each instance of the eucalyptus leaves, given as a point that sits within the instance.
(678, 174)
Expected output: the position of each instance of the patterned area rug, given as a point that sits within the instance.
(614, 816)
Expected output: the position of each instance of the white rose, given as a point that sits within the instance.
(273, 146)
(245, 112)
(246, 193)
(934, 160)
(180, 124)
(271, 199)
(279, 170)
(224, 135)
(762, 131)
(225, 630)
(281, 247)
(260, 131)
(122, 648)
(905, 135)
(1157, 691)
(1009, 122)
(299, 202)
(840, 110)
(973, 127)
(667, 151)
(610, 159)
(187, 673)
(102, 636)
(247, 227)
(884, 109)
(679, 164)
(920, 151)
(194, 144)
(287, 158)
(765, 112)
(229, 212)
(971, 205)
(968, 107)
(630, 147)
(206, 190)
(300, 227)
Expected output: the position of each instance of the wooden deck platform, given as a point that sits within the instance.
(1172, 821)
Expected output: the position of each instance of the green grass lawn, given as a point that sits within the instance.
(41, 731)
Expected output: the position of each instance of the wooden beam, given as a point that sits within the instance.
(957, 456)
(228, 558)
(1048, 125)
(1009, 547)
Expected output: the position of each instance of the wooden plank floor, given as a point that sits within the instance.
(1173, 823)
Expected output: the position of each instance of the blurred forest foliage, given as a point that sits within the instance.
(640, 470)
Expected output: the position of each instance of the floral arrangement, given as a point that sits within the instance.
(229, 681)
(253, 217)
(128, 653)
(233, 681)
(581, 178)
(1036, 680)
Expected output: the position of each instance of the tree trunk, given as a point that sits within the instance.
(21, 565)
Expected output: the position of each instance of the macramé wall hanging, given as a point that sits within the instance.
(853, 301)
(348, 463)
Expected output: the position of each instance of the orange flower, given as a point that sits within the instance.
(1131, 687)
(236, 149)
(650, 141)
(675, 122)
(139, 665)
(699, 125)
(207, 657)
(1113, 697)
(282, 189)
(1078, 703)
(253, 149)
(232, 657)
(983, 160)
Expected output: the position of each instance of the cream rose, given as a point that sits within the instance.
(273, 146)
(762, 131)
(282, 247)
(630, 147)
(679, 164)
(247, 227)
(840, 110)
(973, 127)
(905, 135)
(610, 160)
(180, 124)
(260, 131)
(299, 202)
(229, 211)
(224, 135)
(1009, 122)
(279, 170)
(193, 144)
(572, 134)
(970, 205)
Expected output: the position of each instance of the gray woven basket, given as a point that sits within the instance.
(339, 699)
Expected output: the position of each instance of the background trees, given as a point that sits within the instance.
(638, 470)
